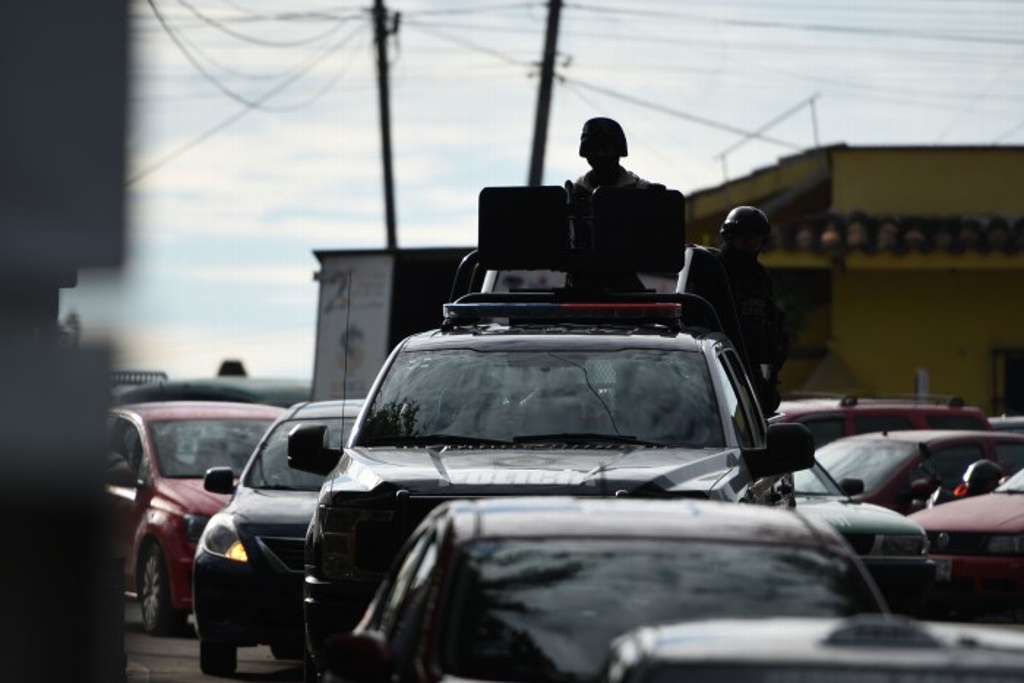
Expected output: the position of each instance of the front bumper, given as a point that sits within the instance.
(234, 602)
(975, 584)
(904, 581)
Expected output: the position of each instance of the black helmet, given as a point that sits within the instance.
(602, 137)
(982, 476)
(748, 218)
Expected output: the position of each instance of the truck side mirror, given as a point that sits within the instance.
(790, 448)
(308, 451)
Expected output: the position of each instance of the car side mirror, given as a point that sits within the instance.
(219, 480)
(790, 448)
(851, 486)
(359, 657)
(119, 473)
(308, 451)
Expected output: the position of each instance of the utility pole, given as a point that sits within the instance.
(547, 76)
(381, 32)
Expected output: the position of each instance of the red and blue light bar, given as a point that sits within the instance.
(650, 312)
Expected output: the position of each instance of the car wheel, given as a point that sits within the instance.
(158, 617)
(217, 659)
(287, 650)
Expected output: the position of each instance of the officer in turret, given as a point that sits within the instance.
(602, 144)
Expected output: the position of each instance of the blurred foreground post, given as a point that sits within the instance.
(63, 71)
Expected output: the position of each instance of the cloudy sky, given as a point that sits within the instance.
(255, 136)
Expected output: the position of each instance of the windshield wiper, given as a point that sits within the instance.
(434, 440)
(583, 437)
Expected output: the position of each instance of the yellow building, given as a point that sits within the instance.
(901, 268)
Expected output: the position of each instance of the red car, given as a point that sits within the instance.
(159, 453)
(977, 544)
(899, 470)
(832, 418)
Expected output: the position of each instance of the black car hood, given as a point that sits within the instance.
(272, 510)
(605, 470)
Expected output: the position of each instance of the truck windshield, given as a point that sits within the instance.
(652, 397)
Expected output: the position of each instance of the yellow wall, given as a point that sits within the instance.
(936, 182)
(806, 350)
(887, 323)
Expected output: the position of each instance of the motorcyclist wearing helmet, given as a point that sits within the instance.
(602, 144)
(981, 476)
(744, 233)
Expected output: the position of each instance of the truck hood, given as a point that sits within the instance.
(462, 471)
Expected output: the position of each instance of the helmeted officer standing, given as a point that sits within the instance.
(744, 233)
(603, 143)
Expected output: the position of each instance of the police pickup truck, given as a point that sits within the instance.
(595, 387)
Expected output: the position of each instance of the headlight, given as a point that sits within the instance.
(900, 546)
(194, 525)
(343, 532)
(1005, 545)
(221, 538)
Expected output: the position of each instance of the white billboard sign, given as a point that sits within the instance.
(352, 339)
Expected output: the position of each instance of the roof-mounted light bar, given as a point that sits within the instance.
(647, 312)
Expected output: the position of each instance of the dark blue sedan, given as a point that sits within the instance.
(248, 573)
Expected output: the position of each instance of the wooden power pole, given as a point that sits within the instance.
(547, 76)
(381, 32)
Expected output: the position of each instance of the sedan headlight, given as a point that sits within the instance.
(1005, 545)
(221, 538)
(900, 546)
(194, 525)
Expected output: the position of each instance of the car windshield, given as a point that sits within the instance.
(814, 481)
(539, 609)
(187, 448)
(648, 396)
(871, 460)
(269, 468)
(1014, 484)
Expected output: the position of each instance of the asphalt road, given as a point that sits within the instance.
(176, 659)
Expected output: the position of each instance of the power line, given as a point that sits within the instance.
(816, 28)
(468, 44)
(226, 30)
(710, 123)
(248, 107)
(258, 102)
(477, 9)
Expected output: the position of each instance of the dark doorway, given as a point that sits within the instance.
(1008, 381)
